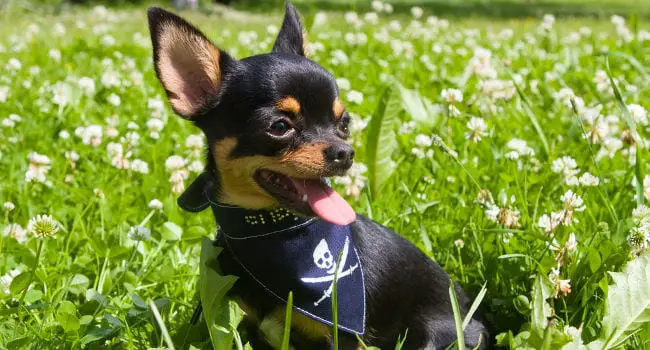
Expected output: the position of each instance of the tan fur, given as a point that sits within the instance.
(289, 104)
(338, 109)
(274, 323)
(189, 68)
(237, 184)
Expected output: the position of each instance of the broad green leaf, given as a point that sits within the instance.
(541, 310)
(20, 283)
(219, 315)
(382, 140)
(627, 306)
(171, 232)
(79, 284)
(418, 107)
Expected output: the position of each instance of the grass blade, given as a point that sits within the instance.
(475, 305)
(460, 343)
(638, 172)
(161, 324)
(533, 118)
(287, 323)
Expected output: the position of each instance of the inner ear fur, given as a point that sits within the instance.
(189, 66)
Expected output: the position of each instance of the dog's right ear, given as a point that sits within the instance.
(189, 66)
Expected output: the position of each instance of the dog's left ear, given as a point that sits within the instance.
(291, 36)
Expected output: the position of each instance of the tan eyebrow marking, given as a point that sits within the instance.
(338, 108)
(288, 104)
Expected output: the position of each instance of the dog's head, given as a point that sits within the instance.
(274, 122)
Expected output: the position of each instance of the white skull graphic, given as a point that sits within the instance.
(323, 257)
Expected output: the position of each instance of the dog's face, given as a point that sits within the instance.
(274, 123)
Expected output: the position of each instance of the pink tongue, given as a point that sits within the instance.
(325, 202)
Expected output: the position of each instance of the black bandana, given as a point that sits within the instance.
(284, 252)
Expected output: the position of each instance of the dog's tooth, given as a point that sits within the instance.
(305, 198)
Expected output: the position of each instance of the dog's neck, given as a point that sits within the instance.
(238, 222)
(233, 220)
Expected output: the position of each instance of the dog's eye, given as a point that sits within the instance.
(344, 125)
(280, 127)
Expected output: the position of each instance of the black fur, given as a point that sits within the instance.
(407, 293)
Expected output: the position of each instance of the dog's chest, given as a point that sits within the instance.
(305, 259)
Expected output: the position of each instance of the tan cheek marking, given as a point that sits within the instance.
(288, 104)
(338, 109)
(237, 184)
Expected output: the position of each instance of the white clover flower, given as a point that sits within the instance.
(64, 134)
(194, 141)
(477, 129)
(107, 40)
(417, 12)
(423, 140)
(617, 20)
(572, 201)
(343, 84)
(377, 6)
(459, 243)
(155, 126)
(565, 165)
(175, 163)
(638, 113)
(339, 58)
(110, 79)
(571, 243)
(8, 123)
(55, 55)
(59, 29)
(8, 206)
(139, 166)
(320, 19)
(371, 18)
(155, 204)
(588, 180)
(114, 149)
(520, 147)
(355, 97)
(550, 223)
(16, 231)
(418, 152)
(87, 85)
(39, 166)
(62, 94)
(196, 166)
(388, 8)
(4, 93)
(114, 100)
(43, 226)
(13, 64)
(451, 96)
(72, 156)
(139, 233)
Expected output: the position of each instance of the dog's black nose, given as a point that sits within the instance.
(339, 155)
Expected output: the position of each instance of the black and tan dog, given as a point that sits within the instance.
(276, 130)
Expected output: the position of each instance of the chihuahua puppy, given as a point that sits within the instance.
(276, 129)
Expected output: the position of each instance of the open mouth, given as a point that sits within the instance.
(310, 197)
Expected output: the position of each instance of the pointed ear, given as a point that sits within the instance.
(189, 66)
(291, 36)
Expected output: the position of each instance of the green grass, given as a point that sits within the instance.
(467, 204)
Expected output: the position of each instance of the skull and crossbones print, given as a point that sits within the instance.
(324, 259)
